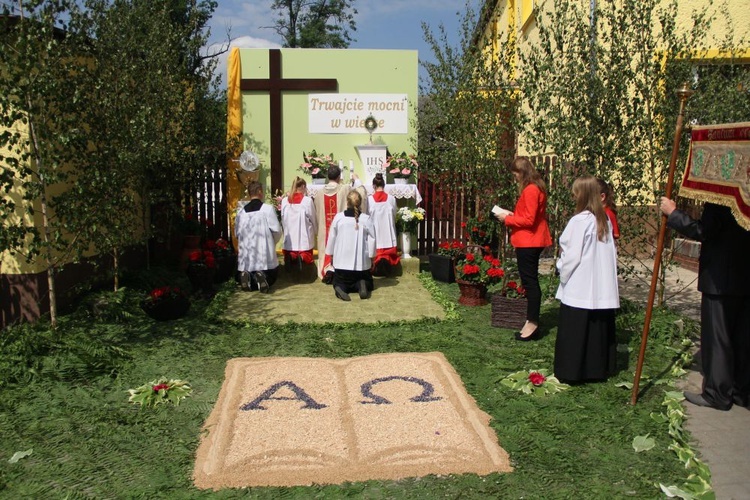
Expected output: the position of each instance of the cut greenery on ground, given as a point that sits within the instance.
(69, 429)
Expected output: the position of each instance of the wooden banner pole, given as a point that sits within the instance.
(684, 94)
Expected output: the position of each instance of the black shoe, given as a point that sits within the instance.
(699, 400)
(260, 278)
(535, 335)
(328, 278)
(341, 294)
(364, 293)
(739, 401)
(245, 281)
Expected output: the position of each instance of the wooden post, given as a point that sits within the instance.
(684, 94)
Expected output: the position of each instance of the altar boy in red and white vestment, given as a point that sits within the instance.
(300, 224)
(328, 202)
(381, 207)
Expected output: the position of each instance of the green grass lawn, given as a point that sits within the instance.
(64, 395)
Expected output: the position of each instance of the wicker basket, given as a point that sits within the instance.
(472, 294)
(508, 313)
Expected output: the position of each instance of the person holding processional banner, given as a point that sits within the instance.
(716, 175)
(328, 202)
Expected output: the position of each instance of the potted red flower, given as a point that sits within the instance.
(443, 263)
(201, 270)
(475, 270)
(166, 303)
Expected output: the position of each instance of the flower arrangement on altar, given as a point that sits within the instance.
(316, 165)
(479, 230)
(536, 382)
(452, 249)
(165, 303)
(160, 391)
(401, 165)
(477, 268)
(407, 219)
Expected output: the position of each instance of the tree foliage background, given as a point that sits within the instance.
(600, 97)
(107, 107)
(315, 23)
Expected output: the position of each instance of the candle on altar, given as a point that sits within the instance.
(351, 168)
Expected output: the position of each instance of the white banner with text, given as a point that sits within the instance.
(346, 113)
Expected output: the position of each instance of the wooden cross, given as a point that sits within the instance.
(275, 84)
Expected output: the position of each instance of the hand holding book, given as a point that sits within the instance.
(500, 213)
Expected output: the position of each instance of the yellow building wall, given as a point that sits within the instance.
(517, 18)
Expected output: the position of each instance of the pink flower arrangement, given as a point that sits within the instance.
(316, 165)
(401, 165)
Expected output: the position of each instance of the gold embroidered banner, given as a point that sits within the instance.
(718, 168)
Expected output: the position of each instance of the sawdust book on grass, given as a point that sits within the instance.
(297, 421)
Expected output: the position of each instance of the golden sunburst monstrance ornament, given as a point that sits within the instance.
(371, 124)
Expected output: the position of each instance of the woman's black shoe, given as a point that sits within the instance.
(535, 335)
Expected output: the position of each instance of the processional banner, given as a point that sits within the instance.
(718, 168)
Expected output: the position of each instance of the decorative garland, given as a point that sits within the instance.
(448, 305)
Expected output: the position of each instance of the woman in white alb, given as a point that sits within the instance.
(300, 225)
(585, 348)
(381, 207)
(351, 246)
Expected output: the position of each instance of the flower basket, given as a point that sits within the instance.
(442, 268)
(508, 312)
(472, 293)
(167, 309)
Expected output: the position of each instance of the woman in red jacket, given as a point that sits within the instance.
(529, 236)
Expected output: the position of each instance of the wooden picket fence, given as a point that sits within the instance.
(446, 207)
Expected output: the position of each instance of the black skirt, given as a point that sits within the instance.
(586, 347)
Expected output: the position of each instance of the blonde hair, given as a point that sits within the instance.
(297, 184)
(529, 173)
(588, 197)
(354, 201)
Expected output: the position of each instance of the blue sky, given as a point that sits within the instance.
(381, 24)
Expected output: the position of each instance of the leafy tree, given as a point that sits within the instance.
(467, 118)
(603, 100)
(39, 94)
(315, 23)
(117, 107)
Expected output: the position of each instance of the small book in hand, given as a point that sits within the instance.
(500, 211)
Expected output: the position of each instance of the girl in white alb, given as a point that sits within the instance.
(351, 246)
(381, 207)
(585, 348)
(300, 224)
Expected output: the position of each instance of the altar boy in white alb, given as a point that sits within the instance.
(258, 230)
(351, 246)
(300, 224)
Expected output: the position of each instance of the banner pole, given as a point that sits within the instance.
(684, 94)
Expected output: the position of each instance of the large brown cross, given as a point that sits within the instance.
(274, 84)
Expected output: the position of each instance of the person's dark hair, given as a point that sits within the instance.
(378, 180)
(529, 173)
(255, 188)
(609, 195)
(334, 172)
